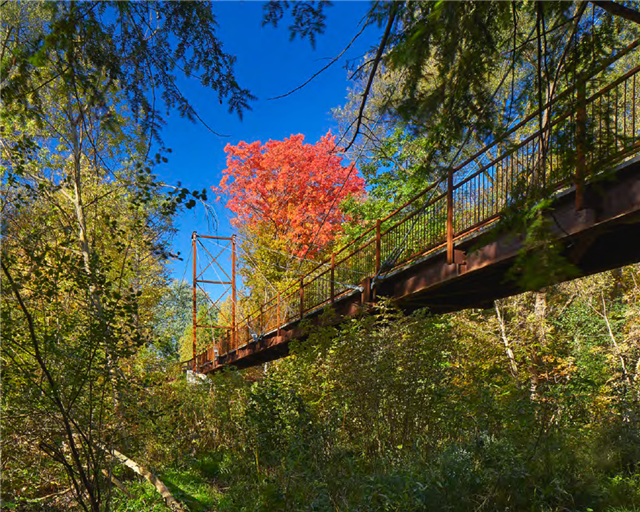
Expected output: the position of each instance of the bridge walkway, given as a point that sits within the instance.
(449, 248)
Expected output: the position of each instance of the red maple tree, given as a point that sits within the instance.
(289, 190)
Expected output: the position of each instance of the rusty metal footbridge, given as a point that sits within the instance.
(449, 247)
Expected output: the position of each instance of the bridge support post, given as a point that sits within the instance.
(195, 312)
(234, 333)
(460, 259)
(378, 245)
(365, 296)
(225, 342)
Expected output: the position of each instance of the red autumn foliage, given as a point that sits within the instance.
(284, 189)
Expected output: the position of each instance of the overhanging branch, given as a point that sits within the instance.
(618, 10)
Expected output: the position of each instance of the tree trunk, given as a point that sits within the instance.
(505, 340)
(539, 335)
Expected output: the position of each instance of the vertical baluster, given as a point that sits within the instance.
(512, 171)
(634, 114)
(600, 126)
(475, 195)
(493, 206)
(504, 179)
(550, 179)
(278, 317)
(378, 245)
(301, 297)
(450, 216)
(614, 132)
(591, 149)
(624, 116)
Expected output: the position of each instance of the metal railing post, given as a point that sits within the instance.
(332, 283)
(301, 298)
(278, 319)
(378, 245)
(450, 255)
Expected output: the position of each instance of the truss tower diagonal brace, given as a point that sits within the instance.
(197, 279)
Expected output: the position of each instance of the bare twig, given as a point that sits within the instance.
(87, 484)
(331, 63)
(374, 69)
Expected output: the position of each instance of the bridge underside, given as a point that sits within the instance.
(604, 236)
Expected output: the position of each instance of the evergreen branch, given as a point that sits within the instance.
(618, 10)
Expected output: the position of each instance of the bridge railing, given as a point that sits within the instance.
(585, 129)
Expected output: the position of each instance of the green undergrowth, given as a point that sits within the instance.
(412, 413)
(192, 483)
(453, 482)
(482, 478)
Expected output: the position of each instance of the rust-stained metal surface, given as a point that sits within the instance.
(442, 250)
(224, 289)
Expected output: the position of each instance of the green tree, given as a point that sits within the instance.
(82, 260)
(172, 315)
(445, 56)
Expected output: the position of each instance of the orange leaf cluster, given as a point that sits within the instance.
(286, 188)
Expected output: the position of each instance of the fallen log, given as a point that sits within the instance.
(169, 499)
(117, 483)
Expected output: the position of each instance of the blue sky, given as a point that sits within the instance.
(268, 64)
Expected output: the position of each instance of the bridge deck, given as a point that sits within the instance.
(446, 250)
(594, 240)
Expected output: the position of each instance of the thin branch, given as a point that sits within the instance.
(181, 97)
(54, 389)
(4, 43)
(374, 69)
(360, 68)
(331, 63)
